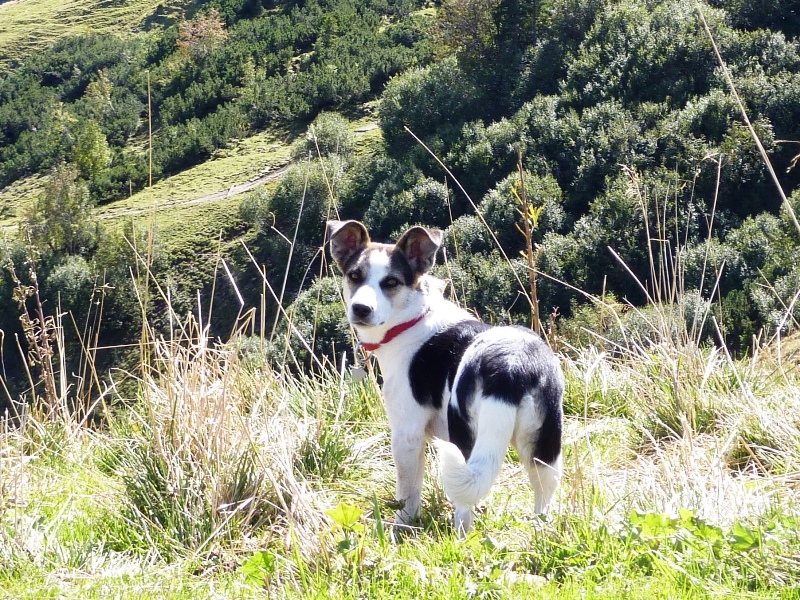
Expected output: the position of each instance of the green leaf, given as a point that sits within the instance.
(744, 539)
(258, 568)
(345, 516)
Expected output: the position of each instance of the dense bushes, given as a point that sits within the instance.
(232, 69)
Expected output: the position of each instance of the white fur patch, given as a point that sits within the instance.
(467, 482)
(369, 292)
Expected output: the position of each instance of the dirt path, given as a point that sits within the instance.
(234, 190)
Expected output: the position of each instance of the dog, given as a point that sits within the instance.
(446, 375)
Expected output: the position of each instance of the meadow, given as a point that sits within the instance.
(224, 476)
(27, 27)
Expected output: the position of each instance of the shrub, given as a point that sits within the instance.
(426, 202)
(60, 219)
(489, 285)
(501, 208)
(424, 99)
(328, 134)
(318, 315)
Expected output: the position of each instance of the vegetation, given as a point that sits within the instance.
(178, 414)
(225, 476)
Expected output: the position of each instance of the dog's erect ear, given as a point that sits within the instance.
(347, 238)
(420, 246)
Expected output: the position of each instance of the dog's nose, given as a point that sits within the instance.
(361, 311)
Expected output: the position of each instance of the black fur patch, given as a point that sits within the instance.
(507, 370)
(510, 370)
(399, 266)
(459, 431)
(436, 362)
(547, 445)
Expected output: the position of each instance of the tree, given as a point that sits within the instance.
(98, 95)
(61, 218)
(91, 153)
(328, 134)
(428, 101)
(489, 37)
(199, 37)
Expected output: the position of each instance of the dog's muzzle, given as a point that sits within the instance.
(361, 314)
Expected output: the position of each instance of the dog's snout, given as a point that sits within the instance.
(361, 311)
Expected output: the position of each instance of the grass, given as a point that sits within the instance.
(224, 477)
(27, 26)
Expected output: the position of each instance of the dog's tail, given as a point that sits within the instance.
(466, 482)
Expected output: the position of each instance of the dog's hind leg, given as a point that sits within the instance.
(538, 442)
(466, 482)
(545, 479)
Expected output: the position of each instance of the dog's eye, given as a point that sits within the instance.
(390, 282)
(354, 276)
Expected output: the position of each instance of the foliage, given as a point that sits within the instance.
(328, 134)
(288, 221)
(501, 209)
(318, 317)
(429, 101)
(426, 202)
(489, 38)
(646, 184)
(209, 83)
(91, 153)
(778, 15)
(201, 36)
(60, 220)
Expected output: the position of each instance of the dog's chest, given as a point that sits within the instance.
(406, 415)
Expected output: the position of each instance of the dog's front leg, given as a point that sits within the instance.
(408, 449)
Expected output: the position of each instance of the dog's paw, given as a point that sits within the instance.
(463, 519)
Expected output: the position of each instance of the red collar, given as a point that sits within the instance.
(393, 333)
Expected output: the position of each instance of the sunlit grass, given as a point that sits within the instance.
(639, 515)
(27, 26)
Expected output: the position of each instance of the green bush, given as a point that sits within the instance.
(290, 222)
(425, 203)
(328, 134)
(426, 100)
(487, 284)
(502, 209)
(60, 220)
(318, 315)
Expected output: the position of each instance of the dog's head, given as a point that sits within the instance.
(382, 281)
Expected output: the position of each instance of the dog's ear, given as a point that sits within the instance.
(347, 238)
(420, 246)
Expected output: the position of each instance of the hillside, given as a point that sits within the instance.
(594, 106)
(27, 27)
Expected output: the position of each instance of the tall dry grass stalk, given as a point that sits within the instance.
(213, 448)
(213, 441)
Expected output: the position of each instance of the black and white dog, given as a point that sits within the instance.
(446, 375)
